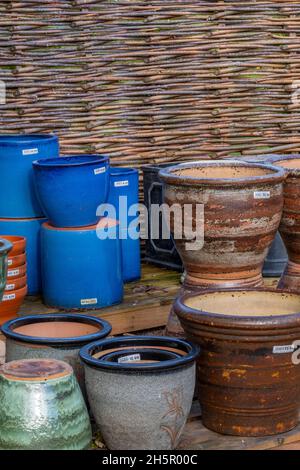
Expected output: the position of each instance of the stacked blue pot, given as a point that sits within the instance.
(81, 254)
(20, 211)
(124, 197)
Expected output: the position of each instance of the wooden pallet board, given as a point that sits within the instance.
(197, 437)
(146, 302)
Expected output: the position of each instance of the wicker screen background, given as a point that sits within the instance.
(153, 81)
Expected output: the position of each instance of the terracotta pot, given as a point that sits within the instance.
(57, 336)
(42, 407)
(290, 223)
(5, 247)
(16, 273)
(18, 244)
(16, 261)
(248, 377)
(139, 404)
(11, 303)
(16, 284)
(242, 210)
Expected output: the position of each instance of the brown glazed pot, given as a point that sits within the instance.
(248, 383)
(290, 223)
(242, 210)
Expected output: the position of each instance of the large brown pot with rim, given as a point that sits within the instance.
(290, 223)
(248, 376)
(242, 210)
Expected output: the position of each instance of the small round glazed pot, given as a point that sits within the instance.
(41, 407)
(18, 244)
(5, 247)
(71, 188)
(57, 336)
(30, 229)
(140, 401)
(242, 204)
(16, 284)
(11, 303)
(248, 373)
(17, 197)
(290, 223)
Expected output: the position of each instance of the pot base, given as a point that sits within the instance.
(290, 278)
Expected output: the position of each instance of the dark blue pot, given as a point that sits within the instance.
(124, 182)
(80, 270)
(71, 188)
(30, 229)
(17, 152)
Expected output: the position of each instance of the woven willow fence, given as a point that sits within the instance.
(154, 80)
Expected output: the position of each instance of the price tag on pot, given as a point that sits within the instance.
(262, 194)
(283, 349)
(10, 286)
(14, 272)
(99, 171)
(9, 297)
(89, 301)
(131, 358)
(9, 262)
(30, 151)
(121, 184)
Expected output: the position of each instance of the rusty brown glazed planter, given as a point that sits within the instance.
(290, 223)
(242, 210)
(248, 382)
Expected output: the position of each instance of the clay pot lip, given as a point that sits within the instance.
(285, 158)
(103, 223)
(21, 280)
(159, 355)
(5, 246)
(215, 320)
(26, 139)
(86, 353)
(66, 161)
(18, 244)
(122, 171)
(60, 369)
(8, 329)
(19, 293)
(16, 260)
(275, 174)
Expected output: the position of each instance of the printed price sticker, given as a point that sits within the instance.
(99, 171)
(88, 301)
(131, 358)
(120, 184)
(283, 349)
(10, 286)
(262, 194)
(9, 262)
(14, 272)
(30, 151)
(9, 297)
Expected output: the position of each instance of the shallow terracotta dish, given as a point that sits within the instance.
(11, 303)
(248, 374)
(16, 284)
(16, 261)
(16, 273)
(18, 244)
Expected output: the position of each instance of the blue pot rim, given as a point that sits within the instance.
(27, 139)
(66, 161)
(121, 171)
(5, 246)
(86, 353)
(8, 329)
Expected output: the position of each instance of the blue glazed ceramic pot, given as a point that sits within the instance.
(17, 196)
(71, 188)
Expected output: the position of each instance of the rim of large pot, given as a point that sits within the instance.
(290, 170)
(154, 355)
(24, 139)
(274, 174)
(122, 171)
(259, 322)
(86, 353)
(66, 161)
(5, 246)
(9, 327)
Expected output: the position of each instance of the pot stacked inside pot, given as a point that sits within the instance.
(248, 369)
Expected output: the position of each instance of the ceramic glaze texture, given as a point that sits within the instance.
(248, 382)
(42, 408)
(17, 197)
(242, 210)
(71, 188)
(140, 411)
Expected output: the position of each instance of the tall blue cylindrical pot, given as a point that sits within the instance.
(30, 229)
(17, 152)
(81, 267)
(124, 182)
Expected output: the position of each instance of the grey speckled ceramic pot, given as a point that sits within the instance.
(57, 336)
(137, 403)
(42, 407)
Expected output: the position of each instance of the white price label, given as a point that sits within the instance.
(289, 348)
(9, 262)
(121, 184)
(14, 272)
(262, 194)
(99, 171)
(9, 297)
(131, 358)
(88, 301)
(10, 286)
(30, 151)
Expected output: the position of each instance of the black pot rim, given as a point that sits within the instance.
(8, 329)
(275, 174)
(5, 246)
(192, 351)
(70, 161)
(160, 354)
